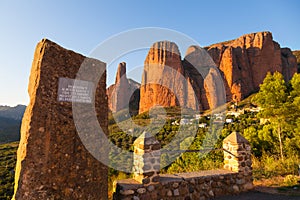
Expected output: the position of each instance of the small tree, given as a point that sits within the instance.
(273, 99)
(294, 142)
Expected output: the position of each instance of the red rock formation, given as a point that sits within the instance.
(289, 63)
(195, 82)
(202, 73)
(163, 81)
(297, 55)
(244, 62)
(124, 91)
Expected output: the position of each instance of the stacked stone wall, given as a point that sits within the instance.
(236, 177)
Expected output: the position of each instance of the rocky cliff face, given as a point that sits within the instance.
(244, 62)
(163, 81)
(124, 91)
(134, 101)
(169, 81)
(202, 73)
(195, 82)
(297, 54)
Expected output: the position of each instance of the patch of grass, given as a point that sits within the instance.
(290, 180)
(271, 166)
(8, 157)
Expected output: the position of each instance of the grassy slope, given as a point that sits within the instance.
(8, 155)
(8, 158)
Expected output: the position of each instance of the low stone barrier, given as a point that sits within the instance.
(236, 177)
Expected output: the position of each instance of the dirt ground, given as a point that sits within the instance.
(266, 193)
(255, 195)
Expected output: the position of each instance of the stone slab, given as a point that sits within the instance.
(52, 162)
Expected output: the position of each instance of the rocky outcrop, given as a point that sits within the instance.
(202, 73)
(297, 54)
(119, 93)
(124, 92)
(235, 67)
(168, 81)
(134, 101)
(244, 62)
(163, 81)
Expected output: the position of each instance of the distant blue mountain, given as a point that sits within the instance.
(10, 123)
(12, 112)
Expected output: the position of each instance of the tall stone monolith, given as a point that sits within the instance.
(52, 162)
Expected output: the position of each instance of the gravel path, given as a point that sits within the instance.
(255, 195)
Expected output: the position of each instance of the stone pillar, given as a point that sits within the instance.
(146, 156)
(52, 162)
(237, 158)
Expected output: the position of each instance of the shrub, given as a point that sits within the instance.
(290, 180)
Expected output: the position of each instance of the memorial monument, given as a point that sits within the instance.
(52, 162)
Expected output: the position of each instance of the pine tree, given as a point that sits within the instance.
(273, 98)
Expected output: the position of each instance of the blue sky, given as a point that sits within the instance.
(82, 25)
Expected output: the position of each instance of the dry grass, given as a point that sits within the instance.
(277, 185)
(275, 176)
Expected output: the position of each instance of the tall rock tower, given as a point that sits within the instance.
(163, 81)
(124, 92)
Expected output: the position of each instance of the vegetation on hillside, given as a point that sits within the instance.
(8, 158)
(9, 130)
(275, 140)
(280, 107)
(273, 132)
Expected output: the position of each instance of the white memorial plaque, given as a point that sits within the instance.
(71, 90)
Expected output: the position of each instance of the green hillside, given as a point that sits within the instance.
(8, 158)
(275, 151)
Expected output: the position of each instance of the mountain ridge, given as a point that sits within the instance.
(10, 122)
(15, 112)
(242, 63)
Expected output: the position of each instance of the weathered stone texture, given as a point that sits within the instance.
(52, 162)
(124, 93)
(235, 178)
(244, 62)
(237, 158)
(163, 81)
(146, 157)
